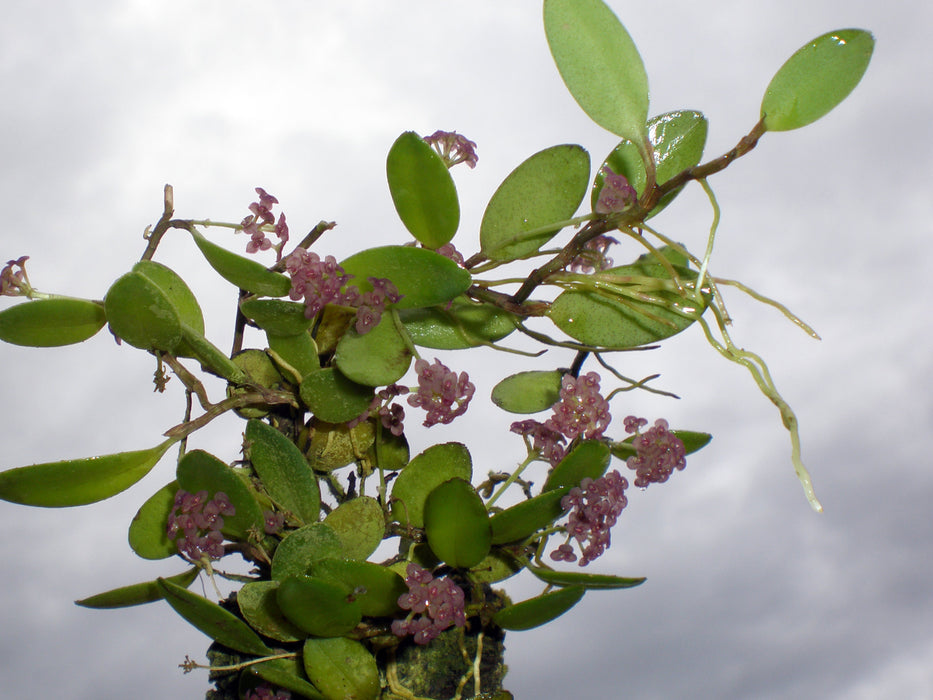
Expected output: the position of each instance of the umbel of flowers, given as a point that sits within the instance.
(376, 558)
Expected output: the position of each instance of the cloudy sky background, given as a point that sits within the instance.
(749, 593)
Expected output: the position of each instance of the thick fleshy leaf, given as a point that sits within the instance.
(678, 139)
(334, 445)
(692, 441)
(200, 471)
(816, 78)
(174, 287)
(210, 356)
(218, 624)
(589, 459)
(497, 566)
(242, 272)
(47, 323)
(259, 369)
(141, 314)
(276, 316)
(545, 189)
(360, 524)
(539, 610)
(526, 518)
(599, 64)
(298, 351)
(422, 190)
(147, 535)
(78, 482)
(377, 358)
(285, 473)
(458, 325)
(422, 277)
(376, 588)
(318, 607)
(332, 397)
(297, 553)
(456, 524)
(137, 593)
(389, 452)
(258, 604)
(589, 581)
(284, 673)
(423, 474)
(528, 392)
(342, 668)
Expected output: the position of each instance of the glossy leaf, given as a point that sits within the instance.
(422, 190)
(299, 351)
(389, 452)
(816, 78)
(360, 524)
(285, 473)
(599, 64)
(376, 588)
(342, 668)
(497, 566)
(545, 189)
(678, 139)
(284, 673)
(317, 606)
(141, 314)
(242, 272)
(588, 581)
(174, 287)
(377, 358)
(539, 610)
(147, 535)
(528, 517)
(46, 323)
(296, 554)
(218, 624)
(423, 474)
(458, 325)
(257, 602)
(137, 593)
(334, 445)
(528, 392)
(332, 397)
(276, 316)
(200, 471)
(589, 459)
(456, 524)
(692, 441)
(78, 482)
(422, 277)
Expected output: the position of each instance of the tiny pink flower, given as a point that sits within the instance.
(616, 194)
(658, 452)
(441, 392)
(453, 148)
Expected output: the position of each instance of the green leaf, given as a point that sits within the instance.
(590, 458)
(528, 392)
(284, 673)
(423, 474)
(377, 358)
(218, 624)
(242, 272)
(257, 601)
(332, 397)
(137, 593)
(678, 139)
(816, 78)
(533, 202)
(376, 588)
(200, 471)
(456, 524)
(299, 351)
(147, 535)
(422, 277)
(297, 553)
(318, 607)
(335, 445)
(259, 369)
(693, 441)
(458, 325)
(285, 473)
(526, 518)
(276, 316)
(341, 669)
(78, 482)
(360, 524)
(538, 610)
(422, 190)
(47, 323)
(141, 314)
(174, 288)
(588, 581)
(497, 566)
(599, 64)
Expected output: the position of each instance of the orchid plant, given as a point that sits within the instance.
(328, 476)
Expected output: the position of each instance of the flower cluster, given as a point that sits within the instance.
(273, 521)
(372, 304)
(594, 507)
(441, 392)
(449, 251)
(593, 256)
(391, 414)
(262, 216)
(659, 452)
(15, 283)
(195, 522)
(581, 412)
(453, 148)
(439, 602)
(616, 194)
(264, 692)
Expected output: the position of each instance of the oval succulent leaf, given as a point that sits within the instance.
(78, 482)
(360, 524)
(545, 189)
(589, 459)
(332, 397)
(141, 314)
(297, 553)
(276, 316)
(528, 392)
(422, 190)
(375, 587)
(342, 668)
(816, 78)
(242, 272)
(599, 64)
(458, 325)
(456, 524)
(147, 535)
(539, 610)
(589, 581)
(46, 323)
(284, 673)
(174, 287)
(423, 474)
(316, 606)
(377, 358)
(526, 518)
(298, 351)
(258, 604)
(137, 593)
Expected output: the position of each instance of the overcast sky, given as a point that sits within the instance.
(749, 594)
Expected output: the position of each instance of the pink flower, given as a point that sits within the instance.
(453, 148)
(594, 508)
(441, 392)
(658, 452)
(262, 216)
(319, 282)
(616, 193)
(439, 602)
(195, 522)
(15, 283)
(593, 256)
